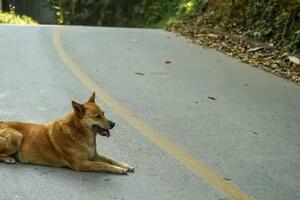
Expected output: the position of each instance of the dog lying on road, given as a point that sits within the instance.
(67, 142)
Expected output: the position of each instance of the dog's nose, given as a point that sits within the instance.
(111, 124)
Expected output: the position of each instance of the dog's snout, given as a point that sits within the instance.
(111, 124)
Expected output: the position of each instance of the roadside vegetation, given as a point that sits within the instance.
(12, 18)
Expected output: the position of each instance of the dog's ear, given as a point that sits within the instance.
(78, 109)
(92, 98)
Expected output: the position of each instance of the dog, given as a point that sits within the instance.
(67, 142)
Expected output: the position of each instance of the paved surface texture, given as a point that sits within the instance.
(250, 133)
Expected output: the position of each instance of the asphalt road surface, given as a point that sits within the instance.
(196, 124)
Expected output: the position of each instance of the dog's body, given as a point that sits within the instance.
(67, 142)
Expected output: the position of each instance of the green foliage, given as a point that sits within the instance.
(76, 11)
(151, 12)
(187, 8)
(274, 21)
(267, 18)
(12, 18)
(123, 12)
(293, 42)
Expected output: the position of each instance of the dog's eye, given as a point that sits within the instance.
(98, 116)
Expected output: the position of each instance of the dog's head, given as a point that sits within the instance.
(92, 117)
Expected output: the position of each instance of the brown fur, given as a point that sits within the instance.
(67, 142)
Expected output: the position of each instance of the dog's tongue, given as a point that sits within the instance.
(101, 131)
(105, 133)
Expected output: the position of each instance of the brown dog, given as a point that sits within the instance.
(67, 142)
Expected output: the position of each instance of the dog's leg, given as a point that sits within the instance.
(93, 166)
(10, 141)
(8, 160)
(105, 159)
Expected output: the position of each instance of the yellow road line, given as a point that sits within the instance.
(198, 167)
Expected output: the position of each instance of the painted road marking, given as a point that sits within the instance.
(197, 166)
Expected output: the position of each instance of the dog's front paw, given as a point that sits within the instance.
(130, 169)
(9, 160)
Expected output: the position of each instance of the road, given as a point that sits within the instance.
(202, 126)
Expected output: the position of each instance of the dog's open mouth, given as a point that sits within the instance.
(102, 131)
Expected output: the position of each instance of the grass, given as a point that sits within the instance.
(13, 18)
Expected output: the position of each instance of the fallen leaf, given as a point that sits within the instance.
(212, 35)
(254, 132)
(294, 60)
(212, 98)
(168, 62)
(256, 49)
